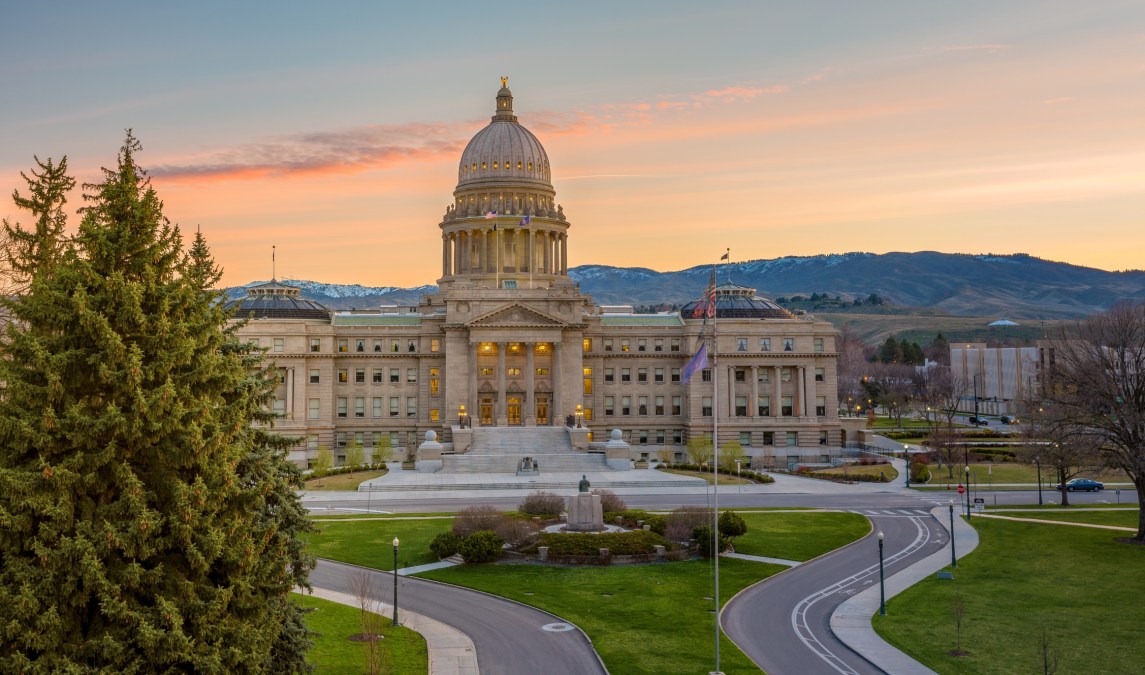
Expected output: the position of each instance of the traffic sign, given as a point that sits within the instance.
(961, 490)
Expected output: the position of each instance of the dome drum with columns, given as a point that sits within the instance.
(509, 341)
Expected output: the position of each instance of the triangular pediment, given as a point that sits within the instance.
(516, 315)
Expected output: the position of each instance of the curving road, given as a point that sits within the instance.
(509, 637)
(783, 623)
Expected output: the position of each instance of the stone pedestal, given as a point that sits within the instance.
(617, 453)
(429, 454)
(585, 513)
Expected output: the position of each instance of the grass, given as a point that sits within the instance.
(1015, 472)
(1077, 584)
(334, 654)
(1126, 518)
(707, 475)
(799, 536)
(862, 470)
(641, 618)
(342, 481)
(370, 542)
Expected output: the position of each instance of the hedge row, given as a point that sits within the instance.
(757, 476)
(617, 543)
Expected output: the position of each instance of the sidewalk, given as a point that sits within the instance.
(851, 621)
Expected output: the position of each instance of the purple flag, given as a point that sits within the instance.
(698, 363)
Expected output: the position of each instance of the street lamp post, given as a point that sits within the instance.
(906, 451)
(967, 492)
(953, 559)
(1038, 462)
(882, 585)
(462, 417)
(737, 477)
(975, 379)
(395, 581)
(579, 414)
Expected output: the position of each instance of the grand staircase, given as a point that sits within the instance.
(499, 449)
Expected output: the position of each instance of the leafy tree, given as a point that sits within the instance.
(26, 252)
(939, 350)
(355, 455)
(148, 519)
(891, 351)
(383, 449)
(323, 462)
(730, 451)
(700, 448)
(732, 525)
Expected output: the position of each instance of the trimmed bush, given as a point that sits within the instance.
(483, 546)
(703, 537)
(542, 504)
(445, 544)
(732, 525)
(475, 519)
(638, 542)
(610, 501)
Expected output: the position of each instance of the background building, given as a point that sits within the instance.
(510, 341)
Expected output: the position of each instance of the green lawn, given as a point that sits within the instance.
(370, 542)
(334, 653)
(342, 481)
(1126, 518)
(707, 475)
(799, 536)
(641, 618)
(1077, 584)
(863, 470)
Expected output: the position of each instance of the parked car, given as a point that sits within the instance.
(979, 421)
(1086, 484)
(1010, 419)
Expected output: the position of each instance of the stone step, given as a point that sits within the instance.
(531, 485)
(483, 463)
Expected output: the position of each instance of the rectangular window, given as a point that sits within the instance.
(434, 345)
(543, 372)
(745, 439)
(360, 345)
(769, 438)
(658, 375)
(763, 404)
(395, 376)
(819, 375)
(343, 375)
(411, 406)
(279, 344)
(706, 406)
(625, 344)
(609, 375)
(375, 439)
(377, 345)
(359, 406)
(487, 372)
(607, 344)
(641, 374)
(586, 345)
(377, 405)
(279, 406)
(643, 436)
(765, 344)
(434, 415)
(343, 344)
(675, 345)
(394, 403)
(513, 371)
(792, 439)
(588, 381)
(341, 406)
(434, 381)
(675, 374)
(741, 344)
(821, 406)
(588, 414)
(741, 374)
(625, 405)
(677, 436)
(359, 375)
(762, 375)
(312, 443)
(785, 407)
(411, 346)
(677, 407)
(411, 374)
(315, 344)
(394, 346)
(741, 406)
(785, 374)
(253, 342)
(642, 405)
(641, 345)
(660, 436)
(822, 438)
(818, 344)
(659, 405)
(315, 376)
(609, 406)
(658, 345)
(706, 375)
(313, 408)
(625, 374)
(788, 344)
(340, 439)
(376, 375)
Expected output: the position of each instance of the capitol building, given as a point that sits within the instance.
(510, 341)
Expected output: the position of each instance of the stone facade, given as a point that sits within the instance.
(509, 340)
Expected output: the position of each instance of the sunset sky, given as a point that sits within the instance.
(675, 130)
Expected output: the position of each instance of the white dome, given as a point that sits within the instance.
(503, 152)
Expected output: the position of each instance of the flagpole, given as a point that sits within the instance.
(716, 455)
(497, 256)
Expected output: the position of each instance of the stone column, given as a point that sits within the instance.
(777, 398)
(530, 399)
(473, 404)
(547, 254)
(502, 411)
(753, 404)
(289, 393)
(558, 411)
(564, 254)
(801, 410)
(731, 391)
(446, 263)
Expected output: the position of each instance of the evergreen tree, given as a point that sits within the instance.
(148, 519)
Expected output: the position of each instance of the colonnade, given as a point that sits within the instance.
(529, 394)
(800, 398)
(515, 250)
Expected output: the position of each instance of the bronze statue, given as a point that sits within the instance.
(583, 486)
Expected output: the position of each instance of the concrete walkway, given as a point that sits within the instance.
(762, 559)
(1057, 522)
(451, 652)
(851, 621)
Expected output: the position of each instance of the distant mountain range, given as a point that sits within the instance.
(1013, 286)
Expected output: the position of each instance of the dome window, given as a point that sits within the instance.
(475, 166)
(530, 166)
(484, 166)
(494, 166)
(507, 165)
(518, 165)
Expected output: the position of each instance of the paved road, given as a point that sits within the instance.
(510, 638)
(783, 623)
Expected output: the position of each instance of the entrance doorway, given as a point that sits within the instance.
(542, 410)
(514, 410)
(486, 411)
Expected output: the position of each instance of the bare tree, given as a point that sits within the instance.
(1050, 655)
(1062, 444)
(890, 385)
(371, 620)
(851, 366)
(958, 612)
(1095, 375)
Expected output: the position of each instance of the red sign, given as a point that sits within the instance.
(961, 490)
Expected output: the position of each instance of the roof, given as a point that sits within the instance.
(375, 320)
(620, 320)
(736, 302)
(275, 300)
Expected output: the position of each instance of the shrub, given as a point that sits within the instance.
(703, 537)
(542, 504)
(515, 532)
(445, 544)
(683, 520)
(732, 525)
(610, 501)
(481, 547)
(476, 518)
(656, 524)
(617, 543)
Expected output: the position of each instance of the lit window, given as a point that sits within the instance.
(343, 375)
(484, 166)
(434, 345)
(343, 345)
(513, 372)
(518, 166)
(434, 415)
(624, 344)
(530, 166)
(587, 344)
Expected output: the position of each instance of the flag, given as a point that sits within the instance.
(491, 215)
(524, 221)
(725, 256)
(712, 295)
(696, 364)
